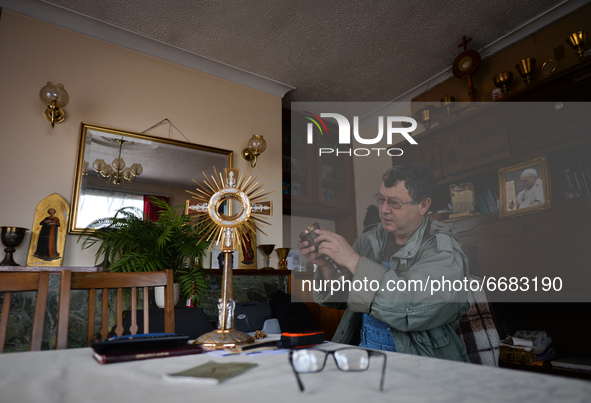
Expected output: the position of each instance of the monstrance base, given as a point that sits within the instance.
(219, 339)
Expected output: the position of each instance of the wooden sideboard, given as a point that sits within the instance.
(53, 269)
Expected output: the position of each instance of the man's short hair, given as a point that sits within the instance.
(529, 172)
(418, 180)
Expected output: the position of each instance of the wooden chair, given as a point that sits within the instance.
(105, 281)
(34, 281)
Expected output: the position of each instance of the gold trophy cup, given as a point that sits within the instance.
(526, 68)
(503, 80)
(577, 42)
(282, 253)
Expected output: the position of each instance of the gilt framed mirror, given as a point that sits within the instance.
(117, 168)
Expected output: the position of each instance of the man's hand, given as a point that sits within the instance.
(332, 245)
(310, 252)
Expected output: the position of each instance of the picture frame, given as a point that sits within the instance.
(247, 257)
(48, 234)
(524, 188)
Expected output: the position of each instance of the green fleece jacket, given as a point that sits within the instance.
(422, 322)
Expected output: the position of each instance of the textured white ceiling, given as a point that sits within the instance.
(348, 50)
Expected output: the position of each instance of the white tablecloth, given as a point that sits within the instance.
(73, 376)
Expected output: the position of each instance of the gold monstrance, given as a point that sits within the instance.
(225, 209)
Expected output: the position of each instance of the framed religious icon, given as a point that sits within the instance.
(48, 234)
(524, 188)
(248, 251)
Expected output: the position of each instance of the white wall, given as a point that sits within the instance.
(115, 87)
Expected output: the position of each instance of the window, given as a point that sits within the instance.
(98, 203)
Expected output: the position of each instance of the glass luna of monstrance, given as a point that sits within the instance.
(223, 210)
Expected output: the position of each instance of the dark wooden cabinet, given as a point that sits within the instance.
(315, 184)
(473, 143)
(318, 186)
(549, 119)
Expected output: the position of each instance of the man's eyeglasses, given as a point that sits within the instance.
(392, 204)
(348, 359)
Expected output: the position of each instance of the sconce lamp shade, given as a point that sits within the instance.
(55, 96)
(53, 91)
(256, 146)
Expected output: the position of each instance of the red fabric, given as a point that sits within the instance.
(150, 210)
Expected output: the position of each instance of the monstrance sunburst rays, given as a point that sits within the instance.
(213, 208)
(225, 209)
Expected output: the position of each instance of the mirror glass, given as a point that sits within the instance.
(164, 167)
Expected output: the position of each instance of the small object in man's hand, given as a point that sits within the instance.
(310, 235)
(260, 334)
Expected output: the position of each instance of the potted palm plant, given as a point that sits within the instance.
(130, 242)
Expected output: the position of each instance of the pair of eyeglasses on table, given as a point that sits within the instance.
(348, 359)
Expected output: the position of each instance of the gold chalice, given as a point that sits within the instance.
(577, 42)
(282, 253)
(526, 68)
(503, 80)
(267, 249)
(447, 102)
(426, 116)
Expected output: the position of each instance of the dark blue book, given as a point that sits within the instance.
(491, 202)
(481, 204)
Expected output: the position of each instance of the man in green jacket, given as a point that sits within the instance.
(404, 285)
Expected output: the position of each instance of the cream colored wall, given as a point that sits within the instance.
(115, 87)
(369, 170)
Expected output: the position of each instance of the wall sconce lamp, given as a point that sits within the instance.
(256, 146)
(55, 96)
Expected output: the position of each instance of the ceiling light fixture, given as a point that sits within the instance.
(256, 146)
(55, 96)
(117, 172)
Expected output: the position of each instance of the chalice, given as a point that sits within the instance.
(526, 68)
(448, 102)
(577, 42)
(11, 238)
(282, 253)
(503, 80)
(425, 114)
(267, 249)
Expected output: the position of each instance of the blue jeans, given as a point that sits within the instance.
(376, 334)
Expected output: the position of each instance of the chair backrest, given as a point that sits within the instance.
(13, 282)
(105, 281)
